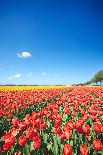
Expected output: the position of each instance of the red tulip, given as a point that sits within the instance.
(22, 140)
(57, 129)
(9, 142)
(18, 153)
(0, 150)
(86, 129)
(84, 149)
(31, 133)
(67, 149)
(71, 124)
(80, 130)
(66, 134)
(15, 122)
(97, 127)
(22, 126)
(37, 142)
(97, 145)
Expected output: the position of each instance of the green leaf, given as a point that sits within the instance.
(26, 150)
(31, 147)
(45, 137)
(64, 119)
(49, 146)
(55, 146)
(101, 152)
(60, 109)
(71, 142)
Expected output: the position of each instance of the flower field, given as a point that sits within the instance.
(51, 121)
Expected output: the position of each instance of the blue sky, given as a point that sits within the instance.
(50, 41)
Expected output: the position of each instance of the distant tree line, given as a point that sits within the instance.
(96, 80)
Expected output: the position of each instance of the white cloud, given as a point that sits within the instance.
(29, 74)
(43, 73)
(17, 76)
(14, 76)
(10, 78)
(24, 54)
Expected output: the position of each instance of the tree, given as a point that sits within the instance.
(98, 77)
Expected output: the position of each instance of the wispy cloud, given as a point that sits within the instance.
(43, 73)
(24, 54)
(17, 76)
(28, 75)
(14, 76)
(10, 78)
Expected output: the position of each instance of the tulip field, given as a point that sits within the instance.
(51, 120)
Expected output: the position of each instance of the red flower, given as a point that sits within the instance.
(66, 127)
(22, 140)
(84, 149)
(7, 146)
(102, 129)
(14, 132)
(34, 116)
(9, 142)
(15, 122)
(71, 124)
(37, 142)
(6, 136)
(57, 129)
(22, 126)
(18, 153)
(57, 122)
(80, 130)
(31, 132)
(97, 127)
(55, 111)
(9, 116)
(0, 150)
(97, 145)
(66, 134)
(86, 129)
(42, 124)
(67, 149)
(0, 113)
(59, 116)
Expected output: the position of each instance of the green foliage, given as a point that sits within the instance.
(98, 78)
